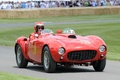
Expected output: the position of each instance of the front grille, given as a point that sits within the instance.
(82, 55)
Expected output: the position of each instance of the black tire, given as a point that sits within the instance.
(48, 62)
(20, 59)
(99, 65)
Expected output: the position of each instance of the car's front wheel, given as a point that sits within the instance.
(99, 65)
(48, 62)
(20, 59)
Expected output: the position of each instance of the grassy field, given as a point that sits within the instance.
(7, 76)
(63, 19)
(108, 31)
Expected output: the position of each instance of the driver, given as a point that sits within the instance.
(38, 27)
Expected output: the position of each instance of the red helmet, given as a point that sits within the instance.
(37, 25)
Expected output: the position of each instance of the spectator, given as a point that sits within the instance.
(57, 3)
(47, 5)
(89, 3)
(15, 5)
(105, 3)
(98, 3)
(23, 5)
(78, 4)
(119, 2)
(27, 5)
(101, 2)
(70, 4)
(19, 4)
(32, 4)
(62, 4)
(9, 6)
(94, 3)
(42, 4)
(4, 5)
(86, 3)
(0, 5)
(112, 2)
(54, 4)
(116, 3)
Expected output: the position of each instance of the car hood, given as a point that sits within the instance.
(77, 43)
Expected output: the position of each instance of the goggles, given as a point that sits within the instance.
(40, 27)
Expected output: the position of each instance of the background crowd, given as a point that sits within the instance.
(7, 5)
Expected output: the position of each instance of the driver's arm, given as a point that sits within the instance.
(32, 36)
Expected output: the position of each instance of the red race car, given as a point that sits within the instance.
(64, 48)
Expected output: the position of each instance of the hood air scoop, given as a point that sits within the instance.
(72, 36)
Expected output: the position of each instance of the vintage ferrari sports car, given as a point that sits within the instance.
(63, 48)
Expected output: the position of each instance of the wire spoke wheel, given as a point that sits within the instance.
(48, 62)
(20, 59)
(19, 55)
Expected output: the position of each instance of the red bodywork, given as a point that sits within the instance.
(88, 45)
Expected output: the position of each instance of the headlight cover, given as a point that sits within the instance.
(102, 48)
(61, 50)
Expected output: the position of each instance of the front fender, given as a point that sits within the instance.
(54, 46)
(97, 41)
(23, 42)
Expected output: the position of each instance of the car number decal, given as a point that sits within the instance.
(34, 48)
(84, 42)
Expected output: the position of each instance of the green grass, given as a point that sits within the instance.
(108, 31)
(8, 76)
(62, 18)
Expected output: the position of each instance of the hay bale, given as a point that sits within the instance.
(107, 10)
(39, 13)
(3, 14)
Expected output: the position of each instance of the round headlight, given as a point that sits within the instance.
(61, 51)
(102, 48)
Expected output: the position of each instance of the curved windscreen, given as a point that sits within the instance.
(68, 31)
(47, 31)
